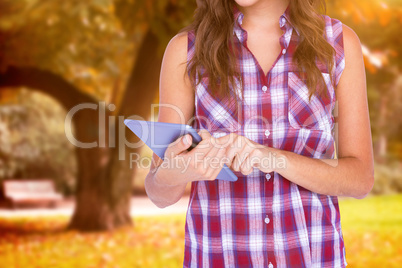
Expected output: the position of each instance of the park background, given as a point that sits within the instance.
(55, 55)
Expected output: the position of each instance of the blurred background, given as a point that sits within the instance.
(65, 206)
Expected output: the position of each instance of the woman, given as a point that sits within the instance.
(276, 75)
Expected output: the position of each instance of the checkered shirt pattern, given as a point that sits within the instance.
(263, 219)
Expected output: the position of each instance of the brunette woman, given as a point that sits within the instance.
(278, 92)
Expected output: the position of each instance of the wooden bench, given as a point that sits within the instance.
(30, 192)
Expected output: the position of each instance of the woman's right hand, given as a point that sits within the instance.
(203, 162)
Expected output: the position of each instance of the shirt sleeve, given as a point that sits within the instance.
(337, 42)
(190, 47)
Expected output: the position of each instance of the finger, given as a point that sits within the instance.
(235, 165)
(179, 145)
(233, 144)
(242, 155)
(214, 164)
(235, 154)
(215, 172)
(230, 155)
(227, 140)
(246, 167)
(205, 139)
(213, 160)
(204, 134)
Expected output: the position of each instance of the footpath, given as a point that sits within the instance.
(140, 206)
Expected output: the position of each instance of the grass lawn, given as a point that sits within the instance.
(372, 230)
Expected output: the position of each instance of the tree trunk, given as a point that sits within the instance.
(104, 174)
(93, 195)
(381, 144)
(102, 200)
(117, 184)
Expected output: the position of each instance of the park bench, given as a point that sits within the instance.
(30, 192)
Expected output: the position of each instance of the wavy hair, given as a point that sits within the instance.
(213, 28)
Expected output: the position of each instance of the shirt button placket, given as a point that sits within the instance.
(267, 220)
(268, 191)
(267, 133)
(266, 217)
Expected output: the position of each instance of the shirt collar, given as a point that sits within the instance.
(284, 21)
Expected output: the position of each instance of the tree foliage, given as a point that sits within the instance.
(378, 24)
(80, 40)
(91, 52)
(110, 50)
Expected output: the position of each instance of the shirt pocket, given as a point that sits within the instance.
(313, 114)
(217, 114)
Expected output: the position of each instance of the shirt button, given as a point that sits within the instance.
(284, 51)
(266, 220)
(270, 265)
(264, 88)
(268, 176)
(267, 133)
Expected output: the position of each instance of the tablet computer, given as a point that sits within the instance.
(158, 136)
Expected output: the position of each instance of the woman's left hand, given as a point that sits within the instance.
(244, 154)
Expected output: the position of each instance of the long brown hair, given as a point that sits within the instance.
(213, 27)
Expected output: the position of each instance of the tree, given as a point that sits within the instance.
(104, 181)
(378, 23)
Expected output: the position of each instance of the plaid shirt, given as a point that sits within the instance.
(263, 219)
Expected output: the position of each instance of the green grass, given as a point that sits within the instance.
(372, 230)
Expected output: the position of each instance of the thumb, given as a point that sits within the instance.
(179, 145)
